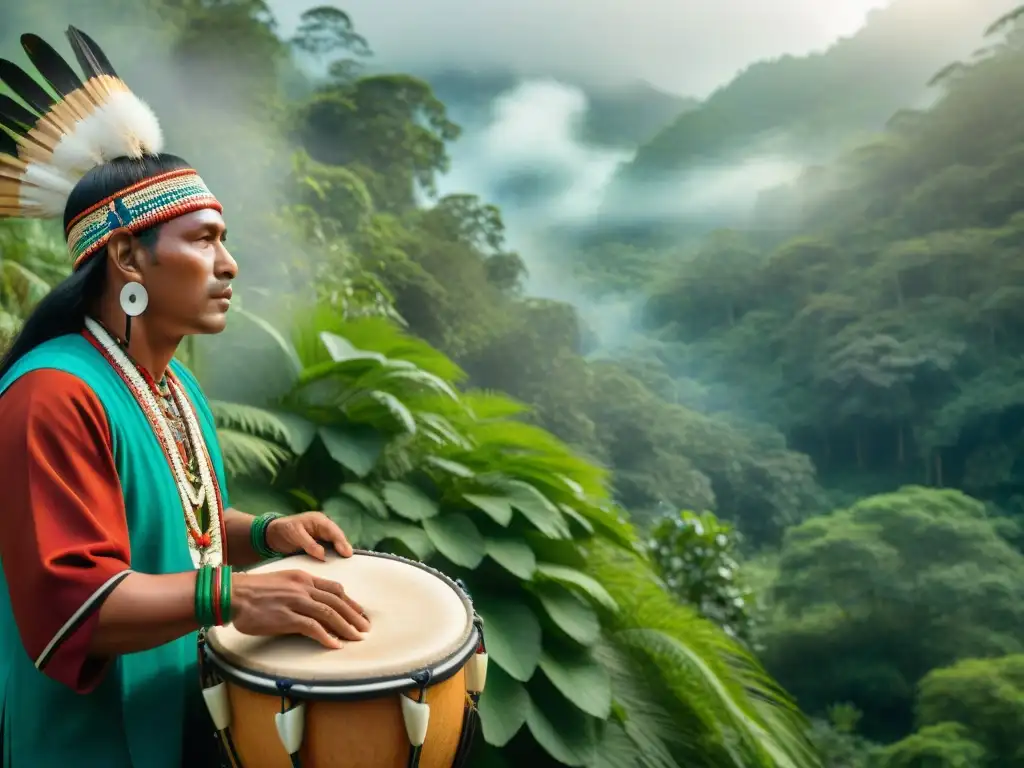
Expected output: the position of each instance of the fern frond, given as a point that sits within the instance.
(650, 729)
(257, 422)
(248, 456)
(708, 673)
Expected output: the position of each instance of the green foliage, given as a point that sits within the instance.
(696, 558)
(936, 746)
(702, 674)
(980, 702)
(32, 258)
(868, 599)
(404, 462)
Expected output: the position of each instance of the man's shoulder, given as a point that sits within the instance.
(61, 367)
(50, 398)
(71, 353)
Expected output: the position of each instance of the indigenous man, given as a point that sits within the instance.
(117, 538)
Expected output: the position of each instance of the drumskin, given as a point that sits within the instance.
(135, 715)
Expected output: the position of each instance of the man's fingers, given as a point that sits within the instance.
(314, 630)
(310, 545)
(328, 530)
(342, 545)
(337, 589)
(328, 616)
(344, 609)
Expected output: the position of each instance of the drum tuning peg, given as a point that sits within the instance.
(476, 672)
(291, 726)
(216, 698)
(417, 717)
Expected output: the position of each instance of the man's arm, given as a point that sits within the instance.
(238, 526)
(64, 537)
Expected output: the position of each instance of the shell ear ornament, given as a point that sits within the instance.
(134, 300)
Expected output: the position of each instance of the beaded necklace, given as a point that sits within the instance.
(174, 423)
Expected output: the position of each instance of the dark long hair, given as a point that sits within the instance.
(63, 309)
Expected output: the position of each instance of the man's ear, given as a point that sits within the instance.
(123, 251)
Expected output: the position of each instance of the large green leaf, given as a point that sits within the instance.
(498, 508)
(426, 380)
(514, 556)
(411, 536)
(257, 499)
(440, 430)
(456, 538)
(409, 501)
(349, 515)
(366, 496)
(355, 448)
(368, 408)
(283, 346)
(572, 578)
(301, 431)
(513, 635)
(536, 508)
(341, 350)
(577, 518)
(504, 705)
(571, 741)
(570, 613)
(451, 467)
(579, 678)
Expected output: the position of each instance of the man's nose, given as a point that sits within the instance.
(226, 266)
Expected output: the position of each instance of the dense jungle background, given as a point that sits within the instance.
(728, 446)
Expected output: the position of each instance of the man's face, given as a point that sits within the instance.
(188, 275)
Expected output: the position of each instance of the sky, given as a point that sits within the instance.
(684, 46)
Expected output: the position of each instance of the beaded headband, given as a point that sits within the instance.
(137, 208)
(48, 143)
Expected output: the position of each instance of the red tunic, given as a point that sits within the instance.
(63, 533)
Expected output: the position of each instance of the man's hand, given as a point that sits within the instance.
(296, 602)
(303, 533)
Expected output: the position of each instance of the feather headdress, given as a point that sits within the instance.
(48, 144)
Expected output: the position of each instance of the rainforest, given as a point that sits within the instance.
(733, 465)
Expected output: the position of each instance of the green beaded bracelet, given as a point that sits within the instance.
(258, 535)
(204, 597)
(225, 594)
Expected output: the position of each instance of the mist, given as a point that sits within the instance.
(687, 48)
(526, 150)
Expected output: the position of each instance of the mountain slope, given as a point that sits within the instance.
(812, 106)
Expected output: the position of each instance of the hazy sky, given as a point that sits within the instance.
(687, 46)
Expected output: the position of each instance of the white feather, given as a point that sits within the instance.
(78, 151)
(45, 188)
(123, 126)
(131, 128)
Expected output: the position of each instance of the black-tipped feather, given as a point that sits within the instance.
(12, 125)
(101, 57)
(17, 114)
(51, 65)
(90, 67)
(90, 56)
(27, 89)
(8, 146)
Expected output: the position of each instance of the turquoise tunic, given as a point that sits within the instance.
(135, 717)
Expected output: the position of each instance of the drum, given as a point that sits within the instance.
(404, 696)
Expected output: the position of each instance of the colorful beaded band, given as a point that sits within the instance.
(213, 596)
(137, 208)
(258, 535)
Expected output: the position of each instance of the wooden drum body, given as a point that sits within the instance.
(403, 697)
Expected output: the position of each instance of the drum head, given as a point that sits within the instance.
(418, 619)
